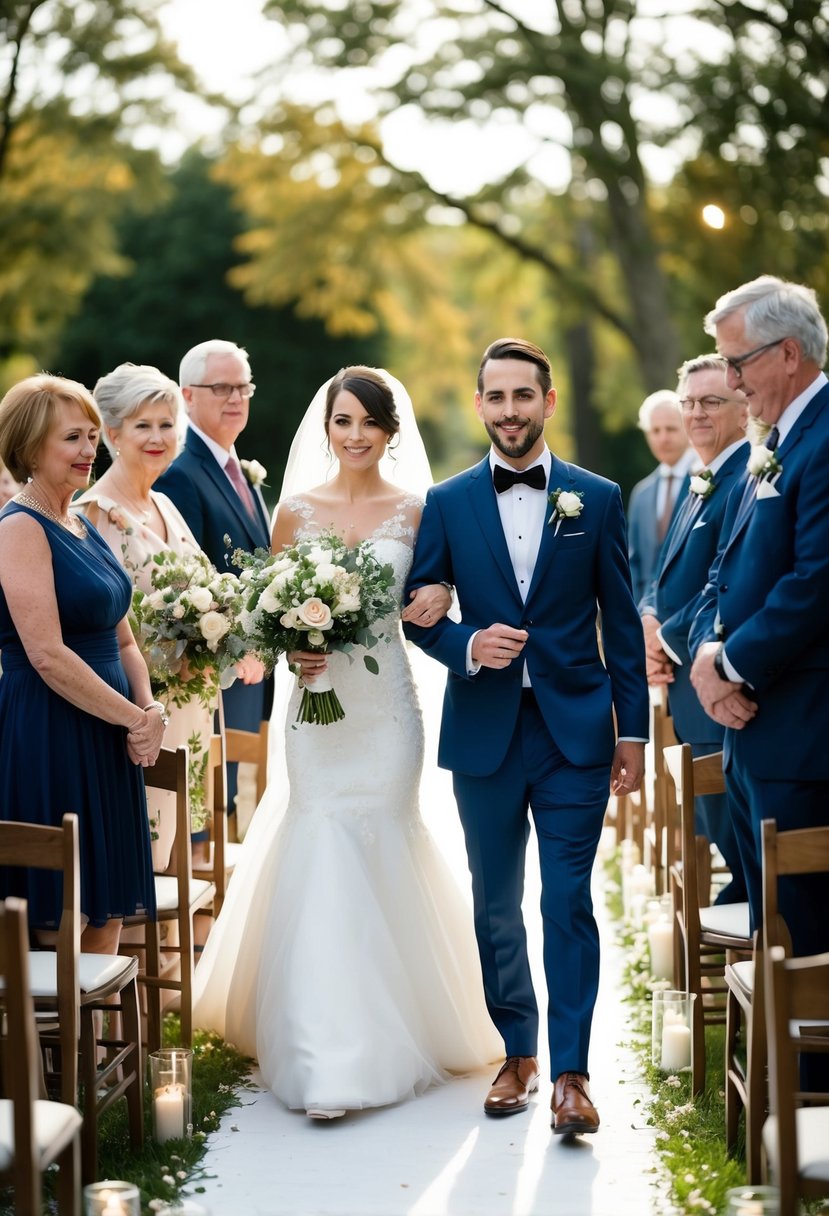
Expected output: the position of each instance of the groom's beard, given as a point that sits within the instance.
(515, 446)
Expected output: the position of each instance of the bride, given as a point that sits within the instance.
(344, 957)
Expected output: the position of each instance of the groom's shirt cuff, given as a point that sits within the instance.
(472, 666)
(630, 739)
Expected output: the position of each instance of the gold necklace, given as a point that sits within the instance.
(74, 525)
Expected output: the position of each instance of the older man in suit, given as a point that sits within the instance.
(218, 495)
(715, 418)
(761, 642)
(535, 549)
(654, 501)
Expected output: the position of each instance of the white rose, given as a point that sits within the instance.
(157, 599)
(256, 472)
(213, 626)
(699, 485)
(268, 600)
(201, 599)
(178, 612)
(326, 573)
(569, 504)
(314, 613)
(288, 620)
(758, 459)
(349, 602)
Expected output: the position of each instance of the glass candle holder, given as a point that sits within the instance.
(672, 1038)
(171, 1075)
(753, 1201)
(111, 1199)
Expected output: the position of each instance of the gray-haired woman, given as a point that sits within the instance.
(139, 406)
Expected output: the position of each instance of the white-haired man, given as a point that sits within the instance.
(654, 500)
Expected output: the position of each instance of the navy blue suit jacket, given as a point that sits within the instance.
(643, 547)
(581, 570)
(769, 590)
(201, 491)
(673, 598)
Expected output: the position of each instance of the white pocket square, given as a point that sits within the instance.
(699, 524)
(569, 534)
(767, 490)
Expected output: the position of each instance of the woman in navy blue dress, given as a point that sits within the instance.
(77, 717)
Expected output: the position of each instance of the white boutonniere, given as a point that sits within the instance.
(254, 471)
(566, 504)
(702, 484)
(762, 462)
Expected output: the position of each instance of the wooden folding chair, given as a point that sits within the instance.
(796, 1133)
(661, 844)
(33, 1132)
(803, 851)
(69, 989)
(178, 898)
(706, 936)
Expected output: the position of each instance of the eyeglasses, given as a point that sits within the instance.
(736, 364)
(227, 390)
(710, 403)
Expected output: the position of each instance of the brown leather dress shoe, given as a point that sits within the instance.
(573, 1112)
(511, 1089)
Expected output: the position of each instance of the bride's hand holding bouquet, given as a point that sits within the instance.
(315, 596)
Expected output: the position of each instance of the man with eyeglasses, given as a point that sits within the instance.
(208, 485)
(714, 417)
(761, 641)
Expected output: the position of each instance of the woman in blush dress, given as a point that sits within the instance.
(344, 957)
(77, 718)
(140, 407)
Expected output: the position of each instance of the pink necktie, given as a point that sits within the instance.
(234, 472)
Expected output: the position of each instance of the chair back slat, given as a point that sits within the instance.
(20, 1070)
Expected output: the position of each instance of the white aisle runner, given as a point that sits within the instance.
(439, 1155)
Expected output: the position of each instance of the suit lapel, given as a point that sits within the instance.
(688, 515)
(561, 478)
(485, 513)
(220, 480)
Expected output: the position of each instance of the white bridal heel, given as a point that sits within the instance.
(319, 1112)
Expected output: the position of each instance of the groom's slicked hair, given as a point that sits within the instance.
(518, 348)
(371, 390)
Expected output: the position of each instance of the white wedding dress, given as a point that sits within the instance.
(344, 958)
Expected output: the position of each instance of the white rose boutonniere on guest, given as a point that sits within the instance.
(566, 504)
(255, 472)
(702, 484)
(762, 462)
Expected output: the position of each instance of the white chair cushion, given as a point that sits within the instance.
(743, 972)
(95, 970)
(728, 919)
(52, 1121)
(166, 892)
(812, 1141)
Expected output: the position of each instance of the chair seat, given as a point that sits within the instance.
(53, 1122)
(726, 920)
(96, 971)
(812, 1142)
(742, 972)
(166, 893)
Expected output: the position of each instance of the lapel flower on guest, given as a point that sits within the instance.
(702, 484)
(566, 504)
(255, 472)
(762, 462)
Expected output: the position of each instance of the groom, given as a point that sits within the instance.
(536, 550)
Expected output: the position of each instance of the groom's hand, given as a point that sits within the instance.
(628, 767)
(498, 646)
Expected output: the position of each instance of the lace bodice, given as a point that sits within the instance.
(401, 525)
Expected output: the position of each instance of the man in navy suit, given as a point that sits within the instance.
(761, 641)
(536, 550)
(654, 501)
(715, 418)
(210, 488)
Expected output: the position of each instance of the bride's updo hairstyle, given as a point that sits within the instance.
(371, 390)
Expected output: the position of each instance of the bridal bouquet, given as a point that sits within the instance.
(188, 627)
(317, 594)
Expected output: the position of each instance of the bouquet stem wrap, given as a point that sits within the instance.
(320, 704)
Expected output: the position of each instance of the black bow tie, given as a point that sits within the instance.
(503, 478)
